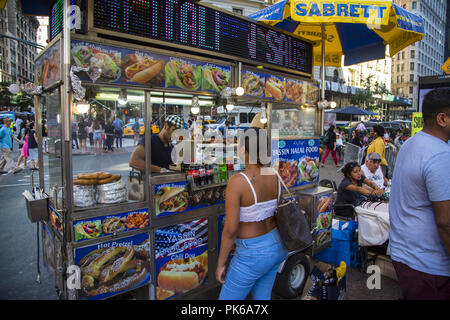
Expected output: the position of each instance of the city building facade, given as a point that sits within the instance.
(423, 58)
(242, 7)
(17, 57)
(42, 32)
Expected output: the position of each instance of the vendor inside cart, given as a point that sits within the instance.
(161, 148)
(355, 186)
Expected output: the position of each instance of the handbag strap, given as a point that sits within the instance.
(282, 182)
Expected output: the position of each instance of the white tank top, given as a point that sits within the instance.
(259, 211)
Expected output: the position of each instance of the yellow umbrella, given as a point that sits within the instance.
(359, 30)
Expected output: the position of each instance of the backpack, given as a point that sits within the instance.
(326, 140)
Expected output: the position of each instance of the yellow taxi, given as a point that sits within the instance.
(128, 129)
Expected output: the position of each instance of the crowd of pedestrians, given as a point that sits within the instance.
(24, 133)
(100, 133)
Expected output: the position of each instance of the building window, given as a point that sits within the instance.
(411, 67)
(414, 5)
(411, 78)
(413, 54)
(411, 90)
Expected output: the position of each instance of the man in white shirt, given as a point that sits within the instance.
(372, 170)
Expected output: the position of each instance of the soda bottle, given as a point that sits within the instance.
(223, 173)
(195, 174)
(202, 174)
(216, 174)
(210, 174)
(190, 176)
(230, 168)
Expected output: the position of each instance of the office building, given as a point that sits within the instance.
(423, 58)
(42, 32)
(17, 57)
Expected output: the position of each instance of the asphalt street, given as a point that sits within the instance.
(18, 264)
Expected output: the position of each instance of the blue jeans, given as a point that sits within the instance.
(254, 267)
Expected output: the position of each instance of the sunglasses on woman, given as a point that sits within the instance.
(376, 160)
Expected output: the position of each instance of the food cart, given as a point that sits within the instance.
(112, 230)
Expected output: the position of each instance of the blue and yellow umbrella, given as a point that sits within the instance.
(359, 30)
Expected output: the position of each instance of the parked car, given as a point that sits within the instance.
(370, 124)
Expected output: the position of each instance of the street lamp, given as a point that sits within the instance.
(82, 107)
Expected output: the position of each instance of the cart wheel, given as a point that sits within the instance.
(290, 282)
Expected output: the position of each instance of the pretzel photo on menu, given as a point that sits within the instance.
(115, 269)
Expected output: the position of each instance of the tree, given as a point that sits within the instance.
(20, 101)
(5, 95)
(368, 97)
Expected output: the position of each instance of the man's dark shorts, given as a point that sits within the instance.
(418, 285)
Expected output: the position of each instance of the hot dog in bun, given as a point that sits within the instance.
(144, 70)
(182, 275)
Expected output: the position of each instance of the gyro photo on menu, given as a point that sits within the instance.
(94, 56)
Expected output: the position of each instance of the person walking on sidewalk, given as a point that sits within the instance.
(33, 151)
(6, 137)
(118, 132)
(251, 201)
(419, 205)
(330, 143)
(24, 153)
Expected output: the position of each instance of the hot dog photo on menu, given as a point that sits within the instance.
(181, 258)
(275, 88)
(143, 68)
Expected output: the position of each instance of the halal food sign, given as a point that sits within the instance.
(183, 22)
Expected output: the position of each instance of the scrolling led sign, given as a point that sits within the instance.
(186, 23)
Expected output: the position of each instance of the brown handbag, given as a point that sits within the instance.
(292, 224)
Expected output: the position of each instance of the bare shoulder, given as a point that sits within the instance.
(236, 181)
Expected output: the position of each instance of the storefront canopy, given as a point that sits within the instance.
(352, 110)
(359, 30)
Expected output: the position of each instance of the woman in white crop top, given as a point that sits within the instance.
(250, 204)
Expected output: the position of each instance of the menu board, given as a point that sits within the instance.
(192, 25)
(56, 221)
(107, 64)
(48, 66)
(48, 249)
(110, 225)
(114, 267)
(297, 161)
(324, 219)
(277, 88)
(174, 198)
(181, 258)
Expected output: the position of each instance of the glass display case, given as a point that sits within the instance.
(294, 123)
(103, 137)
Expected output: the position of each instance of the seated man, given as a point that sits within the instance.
(372, 170)
(161, 148)
(351, 189)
